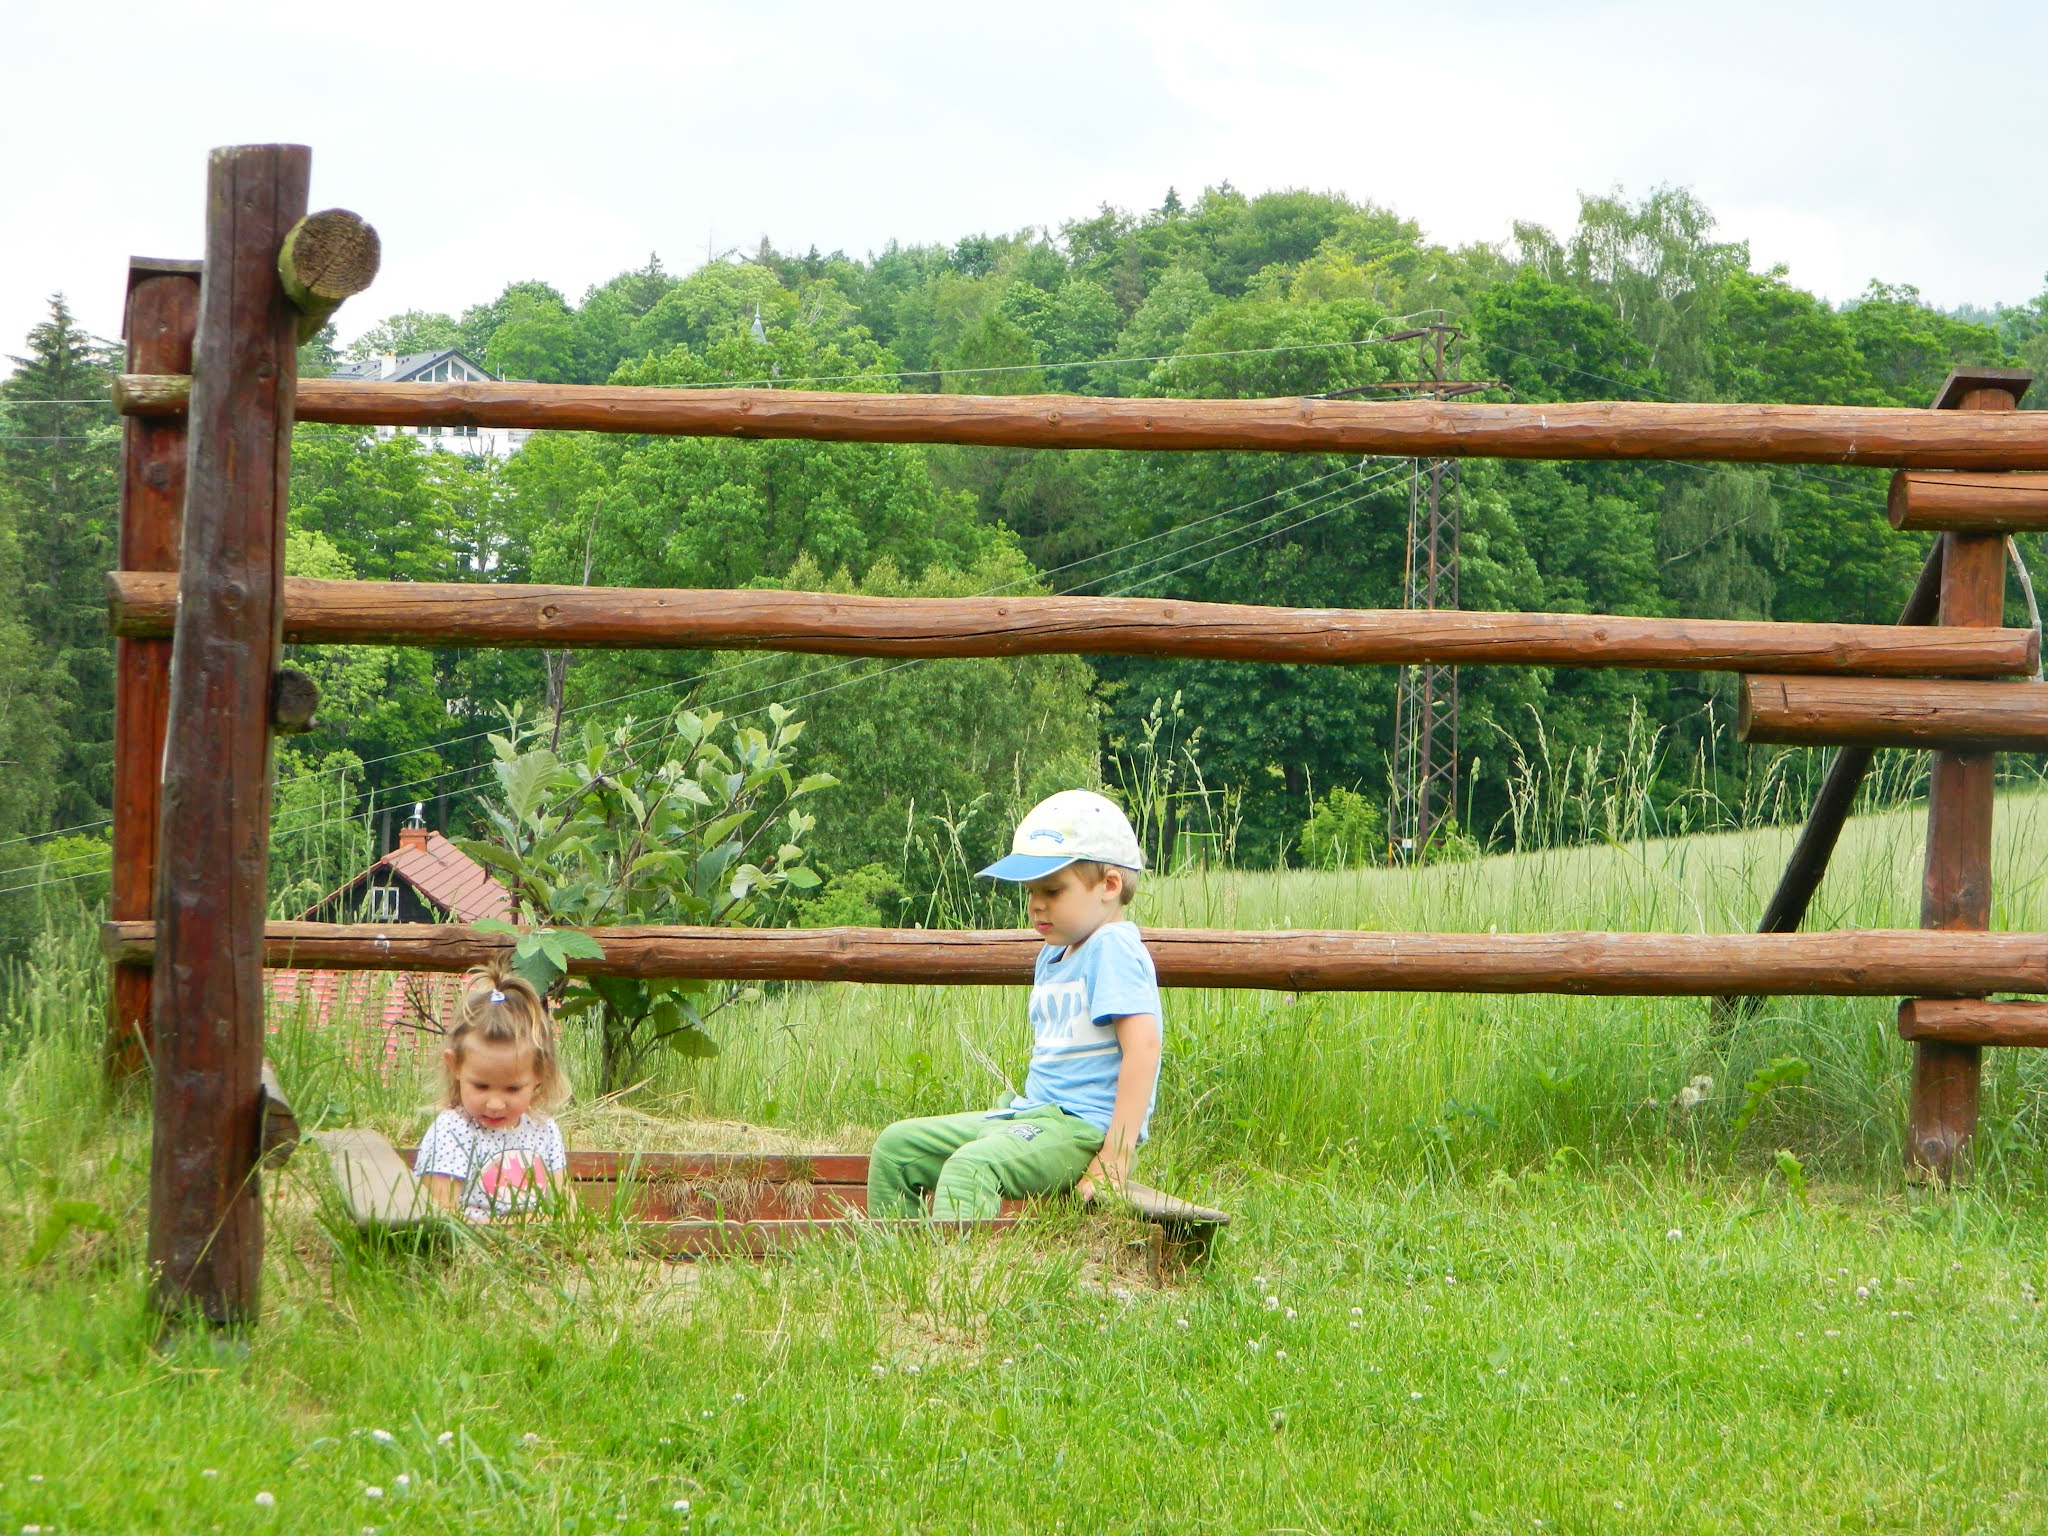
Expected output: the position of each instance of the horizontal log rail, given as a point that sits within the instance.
(1968, 503)
(1884, 437)
(1870, 963)
(144, 603)
(1973, 1021)
(1894, 712)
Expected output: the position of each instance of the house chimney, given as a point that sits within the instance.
(414, 833)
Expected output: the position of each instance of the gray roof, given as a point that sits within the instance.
(407, 367)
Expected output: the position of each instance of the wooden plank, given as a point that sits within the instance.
(1896, 712)
(162, 314)
(376, 1185)
(279, 1133)
(206, 1234)
(815, 1168)
(460, 614)
(1973, 1021)
(1170, 1210)
(759, 1239)
(1882, 437)
(1856, 963)
(1979, 503)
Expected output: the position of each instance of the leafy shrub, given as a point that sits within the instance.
(1344, 830)
(693, 821)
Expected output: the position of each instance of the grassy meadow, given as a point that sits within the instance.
(1493, 1269)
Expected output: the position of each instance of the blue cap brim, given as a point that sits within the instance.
(1025, 866)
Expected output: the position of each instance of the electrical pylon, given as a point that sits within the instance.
(1426, 702)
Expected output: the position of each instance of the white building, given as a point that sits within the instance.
(448, 366)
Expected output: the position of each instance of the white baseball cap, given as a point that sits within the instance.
(1073, 824)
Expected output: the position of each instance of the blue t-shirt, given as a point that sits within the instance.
(1075, 994)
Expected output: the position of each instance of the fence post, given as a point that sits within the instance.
(163, 309)
(1956, 887)
(205, 1230)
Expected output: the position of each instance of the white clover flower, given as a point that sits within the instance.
(681, 1506)
(209, 1472)
(1356, 1323)
(35, 1477)
(31, 1530)
(1272, 1303)
(1675, 1235)
(1358, 1311)
(739, 1397)
(373, 1492)
(1834, 1333)
(1259, 1281)
(1008, 1360)
(1254, 1345)
(1290, 1312)
(1180, 1322)
(1450, 1279)
(369, 1530)
(266, 1500)
(1279, 1354)
(1414, 1397)
(446, 1437)
(382, 1436)
(529, 1438)
(1863, 1293)
(879, 1369)
(402, 1482)
(912, 1369)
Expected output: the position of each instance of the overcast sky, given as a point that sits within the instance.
(566, 142)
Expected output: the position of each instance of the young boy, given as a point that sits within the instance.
(1095, 1026)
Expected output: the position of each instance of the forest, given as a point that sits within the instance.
(1224, 295)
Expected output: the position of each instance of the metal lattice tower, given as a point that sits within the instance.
(1426, 703)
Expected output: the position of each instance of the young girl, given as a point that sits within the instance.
(495, 1149)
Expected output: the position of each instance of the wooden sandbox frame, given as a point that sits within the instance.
(201, 608)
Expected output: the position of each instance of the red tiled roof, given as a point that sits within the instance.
(450, 879)
(402, 1011)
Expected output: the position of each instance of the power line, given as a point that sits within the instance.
(1353, 494)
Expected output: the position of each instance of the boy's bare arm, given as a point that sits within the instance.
(1137, 1034)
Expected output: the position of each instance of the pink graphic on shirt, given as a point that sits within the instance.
(510, 1174)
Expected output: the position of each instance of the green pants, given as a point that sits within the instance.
(971, 1163)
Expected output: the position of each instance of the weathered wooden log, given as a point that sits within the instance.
(1895, 712)
(1973, 1021)
(1969, 503)
(1882, 437)
(206, 1235)
(444, 613)
(294, 698)
(327, 257)
(1851, 964)
(162, 313)
(1955, 890)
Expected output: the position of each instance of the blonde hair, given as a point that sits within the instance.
(1090, 873)
(502, 1007)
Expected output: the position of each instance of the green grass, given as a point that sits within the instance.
(1484, 1180)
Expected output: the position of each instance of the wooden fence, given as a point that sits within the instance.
(202, 608)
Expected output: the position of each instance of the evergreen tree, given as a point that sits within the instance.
(60, 459)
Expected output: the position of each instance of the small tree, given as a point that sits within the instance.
(1344, 830)
(691, 821)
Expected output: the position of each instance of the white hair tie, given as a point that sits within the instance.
(497, 996)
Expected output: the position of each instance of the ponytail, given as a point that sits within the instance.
(503, 1008)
